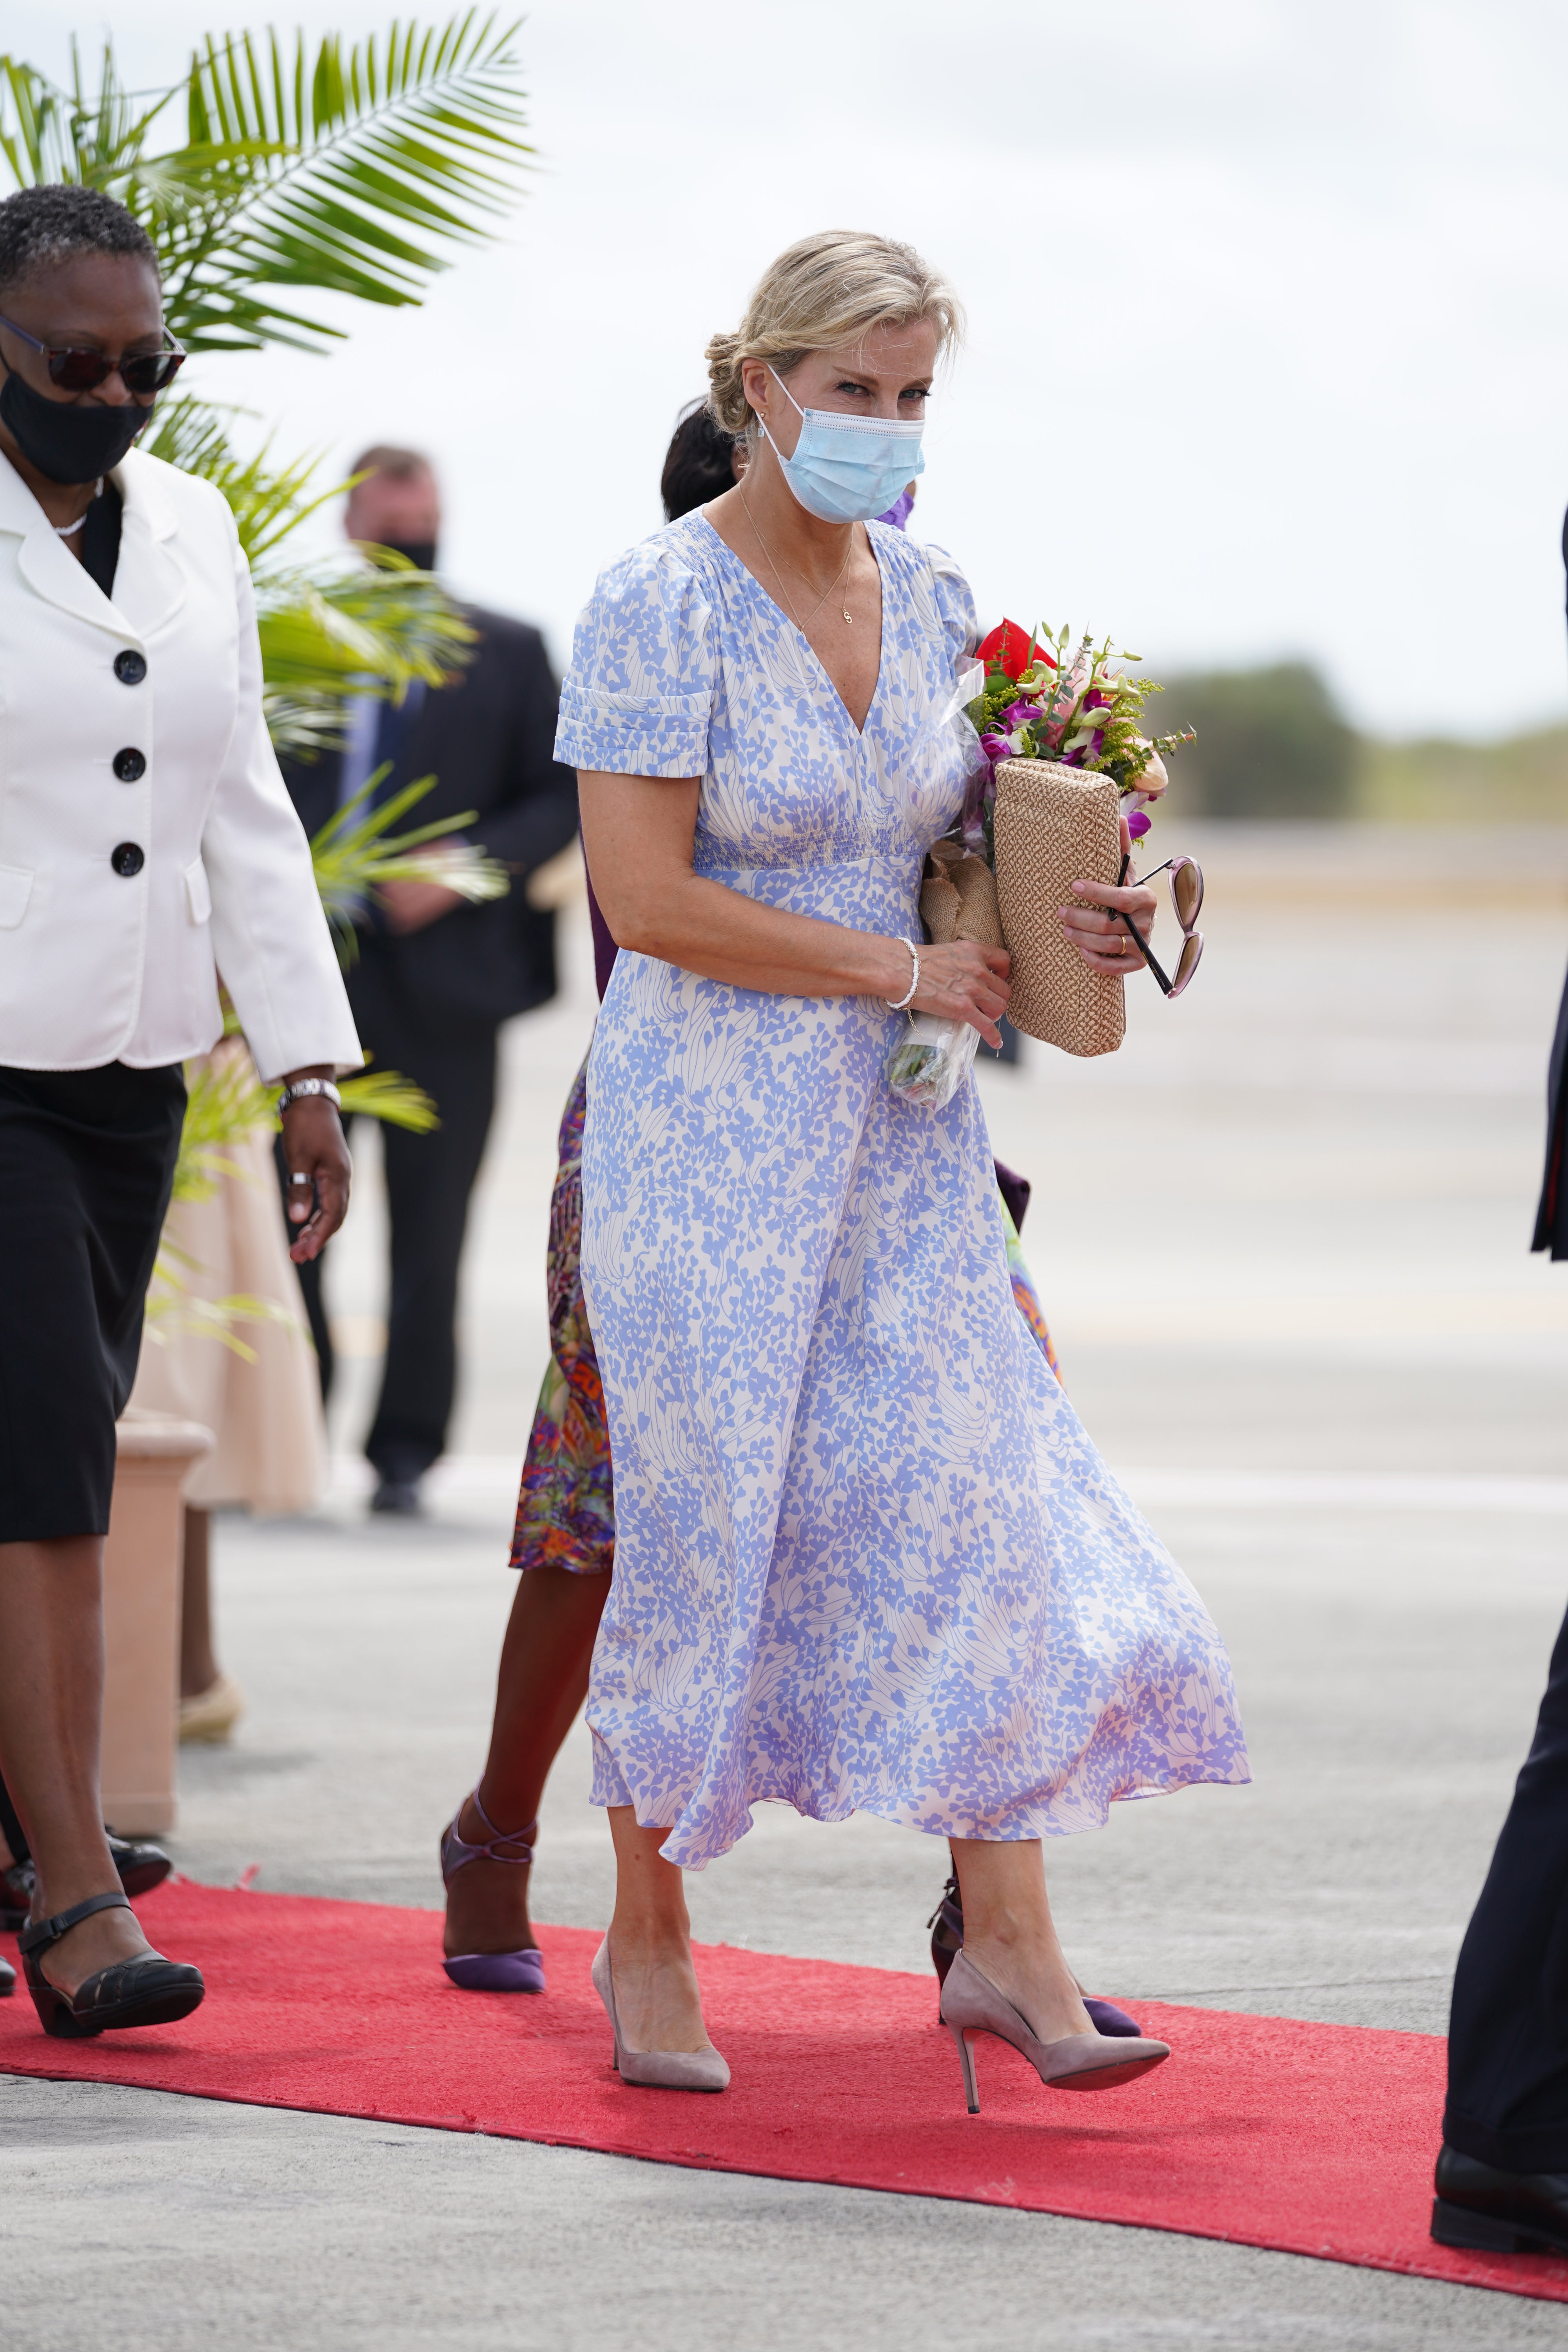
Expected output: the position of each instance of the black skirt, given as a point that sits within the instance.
(87, 1162)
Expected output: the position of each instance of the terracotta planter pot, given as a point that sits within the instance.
(143, 1562)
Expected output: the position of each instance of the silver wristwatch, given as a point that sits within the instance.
(302, 1086)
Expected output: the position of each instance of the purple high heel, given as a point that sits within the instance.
(490, 1971)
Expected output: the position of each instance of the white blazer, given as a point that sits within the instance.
(147, 841)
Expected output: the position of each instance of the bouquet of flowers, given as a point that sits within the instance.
(1083, 710)
(1026, 697)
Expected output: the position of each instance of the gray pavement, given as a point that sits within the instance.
(1282, 1241)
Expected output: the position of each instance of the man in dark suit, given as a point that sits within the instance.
(1502, 2175)
(436, 975)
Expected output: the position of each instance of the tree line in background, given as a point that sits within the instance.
(1273, 744)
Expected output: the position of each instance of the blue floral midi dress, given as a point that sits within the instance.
(867, 1557)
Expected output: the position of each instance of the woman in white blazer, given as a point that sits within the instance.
(146, 844)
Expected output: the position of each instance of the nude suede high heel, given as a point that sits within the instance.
(661, 2070)
(971, 2004)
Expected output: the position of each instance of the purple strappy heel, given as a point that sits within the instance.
(490, 1971)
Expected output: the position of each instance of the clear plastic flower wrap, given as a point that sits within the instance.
(931, 1061)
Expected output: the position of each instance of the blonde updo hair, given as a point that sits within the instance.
(827, 290)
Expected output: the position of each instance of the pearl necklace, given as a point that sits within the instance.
(70, 529)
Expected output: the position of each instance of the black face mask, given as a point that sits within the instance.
(420, 553)
(68, 441)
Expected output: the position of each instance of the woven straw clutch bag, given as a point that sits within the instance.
(1056, 826)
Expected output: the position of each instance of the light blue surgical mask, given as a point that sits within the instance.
(849, 469)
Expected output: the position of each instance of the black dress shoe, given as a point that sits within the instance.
(1495, 2213)
(139, 1865)
(400, 1496)
(16, 1897)
(8, 1980)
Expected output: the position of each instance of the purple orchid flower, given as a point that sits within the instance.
(995, 747)
(1137, 824)
(1020, 714)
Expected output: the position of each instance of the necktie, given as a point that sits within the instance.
(392, 723)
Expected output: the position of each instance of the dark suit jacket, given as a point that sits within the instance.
(489, 739)
(1551, 1216)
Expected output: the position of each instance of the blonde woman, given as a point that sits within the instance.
(866, 1556)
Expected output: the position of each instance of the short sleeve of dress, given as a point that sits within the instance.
(954, 604)
(639, 697)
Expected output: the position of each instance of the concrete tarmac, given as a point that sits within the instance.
(1282, 1241)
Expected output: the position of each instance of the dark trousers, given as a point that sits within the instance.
(1507, 2036)
(428, 1180)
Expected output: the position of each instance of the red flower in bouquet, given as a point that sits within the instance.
(1008, 649)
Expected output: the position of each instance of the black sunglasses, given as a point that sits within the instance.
(1187, 898)
(141, 373)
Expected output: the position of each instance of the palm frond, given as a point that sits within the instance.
(172, 1306)
(356, 851)
(356, 169)
(351, 168)
(387, 1095)
(224, 1102)
(49, 133)
(268, 500)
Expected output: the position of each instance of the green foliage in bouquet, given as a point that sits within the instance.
(1083, 707)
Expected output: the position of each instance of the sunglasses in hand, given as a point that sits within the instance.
(141, 373)
(1187, 898)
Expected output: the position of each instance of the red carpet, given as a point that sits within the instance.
(1314, 2140)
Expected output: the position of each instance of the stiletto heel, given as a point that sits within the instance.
(662, 2070)
(966, 2060)
(946, 1925)
(971, 2004)
(519, 1971)
(149, 1990)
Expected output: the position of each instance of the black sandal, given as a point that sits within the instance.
(150, 1991)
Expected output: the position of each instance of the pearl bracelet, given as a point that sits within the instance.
(905, 1001)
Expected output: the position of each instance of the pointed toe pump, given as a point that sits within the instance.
(658, 2070)
(971, 2004)
(148, 1991)
(519, 1971)
(946, 1925)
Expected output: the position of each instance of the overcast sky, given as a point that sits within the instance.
(1269, 307)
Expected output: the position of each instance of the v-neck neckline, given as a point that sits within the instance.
(751, 578)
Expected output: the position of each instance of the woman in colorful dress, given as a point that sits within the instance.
(866, 1558)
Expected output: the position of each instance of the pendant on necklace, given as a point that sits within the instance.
(848, 615)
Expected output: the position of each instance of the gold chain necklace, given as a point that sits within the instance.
(778, 575)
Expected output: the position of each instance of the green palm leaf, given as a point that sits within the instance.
(350, 168)
(356, 850)
(356, 168)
